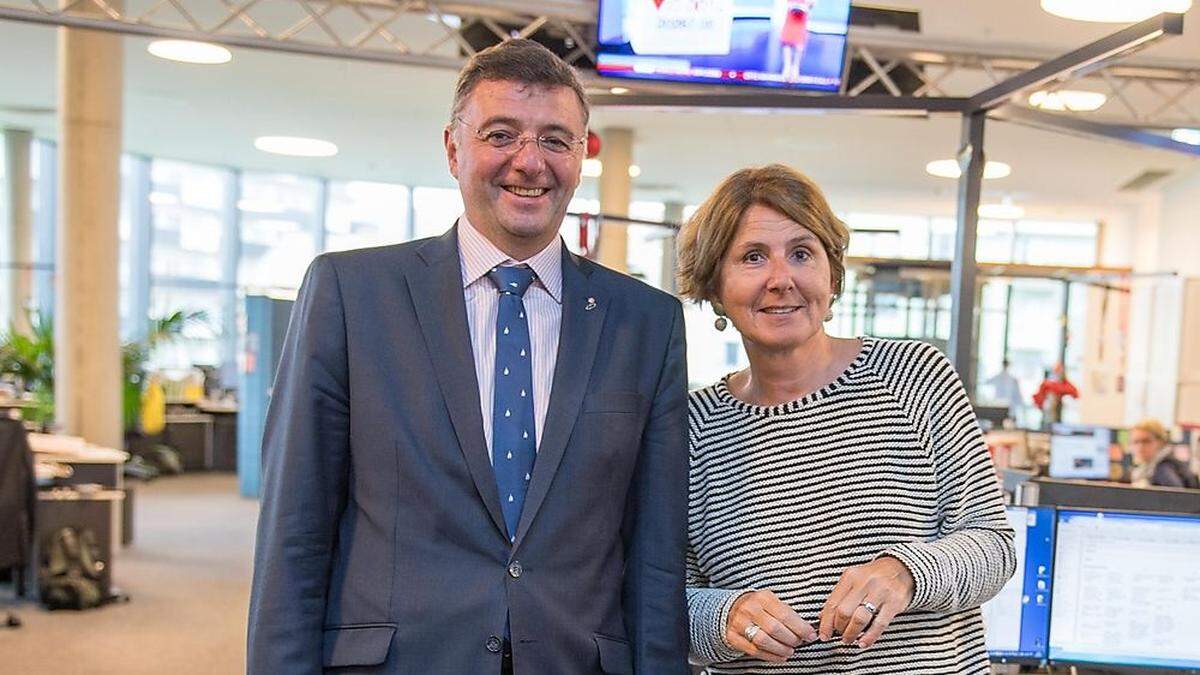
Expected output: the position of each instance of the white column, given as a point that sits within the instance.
(17, 144)
(616, 188)
(87, 388)
(672, 214)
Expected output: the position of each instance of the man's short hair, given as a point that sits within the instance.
(517, 60)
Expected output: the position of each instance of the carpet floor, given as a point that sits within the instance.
(187, 575)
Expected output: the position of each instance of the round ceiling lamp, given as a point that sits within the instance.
(948, 168)
(189, 51)
(295, 146)
(1113, 11)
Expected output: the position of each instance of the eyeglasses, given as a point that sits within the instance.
(552, 143)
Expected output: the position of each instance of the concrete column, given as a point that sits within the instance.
(87, 387)
(616, 188)
(17, 146)
(672, 214)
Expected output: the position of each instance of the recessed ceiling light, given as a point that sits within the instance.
(634, 170)
(1071, 100)
(1189, 136)
(619, 90)
(1005, 210)
(295, 146)
(188, 51)
(592, 168)
(948, 168)
(1113, 11)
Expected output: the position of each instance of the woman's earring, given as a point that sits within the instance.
(828, 315)
(721, 323)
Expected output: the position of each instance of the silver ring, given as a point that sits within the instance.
(869, 606)
(750, 631)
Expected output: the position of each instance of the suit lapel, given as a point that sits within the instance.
(583, 309)
(442, 315)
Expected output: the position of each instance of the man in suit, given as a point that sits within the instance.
(475, 457)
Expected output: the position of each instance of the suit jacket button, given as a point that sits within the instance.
(494, 644)
(515, 569)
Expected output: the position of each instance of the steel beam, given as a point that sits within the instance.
(1084, 127)
(1121, 43)
(754, 99)
(963, 267)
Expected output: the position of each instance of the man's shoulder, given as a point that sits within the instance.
(627, 288)
(391, 256)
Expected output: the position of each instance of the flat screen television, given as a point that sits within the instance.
(1018, 618)
(1126, 590)
(791, 44)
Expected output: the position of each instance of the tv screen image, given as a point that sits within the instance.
(1017, 620)
(1126, 589)
(1078, 451)
(795, 44)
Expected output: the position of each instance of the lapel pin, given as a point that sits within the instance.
(591, 304)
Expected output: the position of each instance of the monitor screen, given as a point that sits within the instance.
(1018, 618)
(1126, 589)
(1078, 451)
(797, 44)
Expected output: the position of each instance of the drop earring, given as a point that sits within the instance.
(721, 323)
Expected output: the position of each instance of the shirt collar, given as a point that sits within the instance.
(478, 255)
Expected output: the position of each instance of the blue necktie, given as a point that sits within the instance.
(514, 442)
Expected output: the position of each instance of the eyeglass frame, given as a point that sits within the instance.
(519, 142)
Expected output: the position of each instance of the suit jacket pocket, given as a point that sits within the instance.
(363, 644)
(616, 657)
(613, 402)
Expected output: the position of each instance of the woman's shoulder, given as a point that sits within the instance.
(703, 401)
(891, 357)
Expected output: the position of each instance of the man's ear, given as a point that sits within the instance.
(451, 149)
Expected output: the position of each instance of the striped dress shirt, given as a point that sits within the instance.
(543, 310)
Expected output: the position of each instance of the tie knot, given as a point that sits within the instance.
(512, 280)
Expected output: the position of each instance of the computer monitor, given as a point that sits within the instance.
(1078, 451)
(1018, 618)
(1126, 590)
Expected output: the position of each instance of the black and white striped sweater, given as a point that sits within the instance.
(888, 458)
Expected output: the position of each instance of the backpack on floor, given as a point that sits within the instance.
(71, 570)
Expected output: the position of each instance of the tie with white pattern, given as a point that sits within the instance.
(514, 445)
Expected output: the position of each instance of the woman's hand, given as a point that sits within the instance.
(779, 629)
(865, 600)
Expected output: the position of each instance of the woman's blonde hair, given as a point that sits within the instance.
(705, 238)
(1154, 428)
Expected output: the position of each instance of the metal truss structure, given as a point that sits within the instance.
(442, 33)
(906, 77)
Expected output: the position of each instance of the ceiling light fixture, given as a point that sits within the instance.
(188, 51)
(948, 168)
(294, 146)
(1113, 11)
(634, 170)
(619, 90)
(592, 168)
(1071, 100)
(1189, 136)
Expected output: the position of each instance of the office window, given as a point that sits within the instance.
(187, 203)
(43, 165)
(361, 214)
(644, 255)
(434, 210)
(280, 219)
(192, 246)
(1055, 242)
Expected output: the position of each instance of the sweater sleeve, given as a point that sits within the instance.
(708, 607)
(973, 555)
(708, 614)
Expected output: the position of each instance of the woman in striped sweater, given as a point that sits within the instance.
(844, 514)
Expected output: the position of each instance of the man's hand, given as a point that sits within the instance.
(780, 629)
(883, 585)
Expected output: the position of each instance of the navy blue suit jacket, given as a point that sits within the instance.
(381, 546)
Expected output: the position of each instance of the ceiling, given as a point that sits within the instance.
(387, 119)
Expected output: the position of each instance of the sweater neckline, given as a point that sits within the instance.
(725, 396)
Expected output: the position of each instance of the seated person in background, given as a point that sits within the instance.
(1155, 462)
(844, 516)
